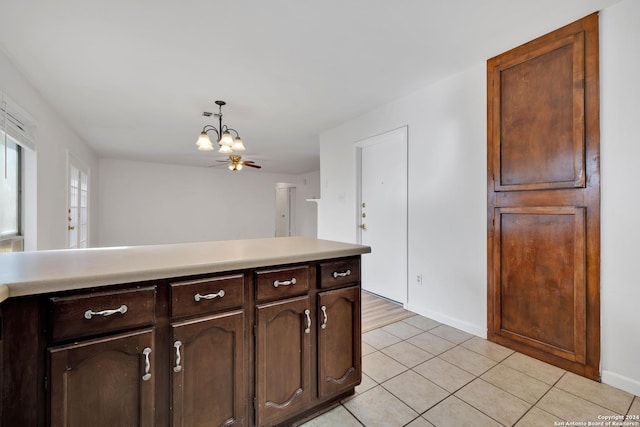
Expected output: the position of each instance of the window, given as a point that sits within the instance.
(10, 195)
(17, 144)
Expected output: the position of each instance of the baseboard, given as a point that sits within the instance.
(621, 382)
(451, 321)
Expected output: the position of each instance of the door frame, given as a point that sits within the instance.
(373, 140)
(83, 168)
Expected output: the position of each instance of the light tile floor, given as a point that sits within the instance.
(420, 373)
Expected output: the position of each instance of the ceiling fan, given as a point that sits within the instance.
(236, 163)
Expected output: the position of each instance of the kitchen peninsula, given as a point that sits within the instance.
(247, 332)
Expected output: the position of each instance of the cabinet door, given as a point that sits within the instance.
(339, 341)
(108, 381)
(282, 359)
(208, 387)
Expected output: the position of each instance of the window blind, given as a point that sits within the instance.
(17, 123)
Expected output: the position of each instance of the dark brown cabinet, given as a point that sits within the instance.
(107, 381)
(207, 380)
(283, 351)
(339, 341)
(256, 347)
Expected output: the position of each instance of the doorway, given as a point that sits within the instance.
(285, 209)
(78, 203)
(382, 213)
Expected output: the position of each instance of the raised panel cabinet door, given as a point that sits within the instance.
(104, 382)
(282, 359)
(208, 382)
(533, 307)
(339, 341)
(543, 205)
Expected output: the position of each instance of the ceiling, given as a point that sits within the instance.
(132, 77)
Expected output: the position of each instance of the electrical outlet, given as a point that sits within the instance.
(419, 279)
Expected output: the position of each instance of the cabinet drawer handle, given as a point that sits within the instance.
(147, 364)
(337, 274)
(308, 329)
(324, 313)
(177, 345)
(277, 283)
(199, 297)
(90, 313)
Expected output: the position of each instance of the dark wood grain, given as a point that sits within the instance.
(543, 184)
(339, 341)
(208, 388)
(339, 273)
(283, 360)
(184, 303)
(267, 291)
(68, 313)
(100, 382)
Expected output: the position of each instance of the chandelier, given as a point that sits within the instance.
(226, 141)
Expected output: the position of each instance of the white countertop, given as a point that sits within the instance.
(30, 273)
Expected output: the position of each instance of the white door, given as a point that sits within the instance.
(78, 207)
(285, 210)
(383, 214)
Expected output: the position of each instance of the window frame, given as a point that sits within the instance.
(15, 242)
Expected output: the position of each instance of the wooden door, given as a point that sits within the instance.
(104, 382)
(208, 386)
(339, 341)
(282, 359)
(544, 198)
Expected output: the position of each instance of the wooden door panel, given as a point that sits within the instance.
(544, 198)
(339, 341)
(208, 387)
(539, 120)
(109, 376)
(540, 275)
(283, 353)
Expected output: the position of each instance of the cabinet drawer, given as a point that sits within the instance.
(271, 284)
(206, 295)
(340, 272)
(93, 314)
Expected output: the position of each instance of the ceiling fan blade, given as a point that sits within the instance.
(252, 165)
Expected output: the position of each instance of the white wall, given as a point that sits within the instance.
(149, 203)
(447, 194)
(620, 152)
(47, 214)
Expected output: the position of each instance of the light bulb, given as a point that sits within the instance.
(226, 139)
(237, 145)
(231, 167)
(204, 143)
(239, 166)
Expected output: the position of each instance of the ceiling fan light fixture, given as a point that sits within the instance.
(239, 166)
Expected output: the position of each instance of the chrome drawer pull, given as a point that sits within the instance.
(199, 297)
(337, 274)
(308, 330)
(277, 283)
(147, 364)
(324, 312)
(177, 345)
(90, 313)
